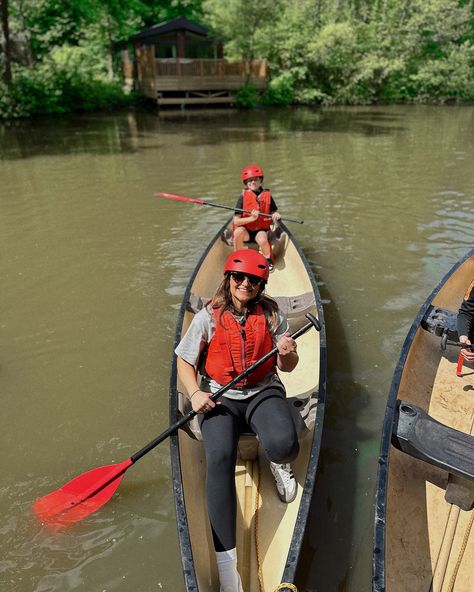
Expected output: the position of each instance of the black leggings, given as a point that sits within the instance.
(267, 415)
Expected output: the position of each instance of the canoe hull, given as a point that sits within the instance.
(269, 533)
(422, 542)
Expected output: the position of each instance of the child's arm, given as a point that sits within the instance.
(240, 220)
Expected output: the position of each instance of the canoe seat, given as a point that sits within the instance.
(196, 303)
(296, 306)
(291, 306)
(441, 322)
(275, 236)
(419, 435)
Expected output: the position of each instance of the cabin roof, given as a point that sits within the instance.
(177, 24)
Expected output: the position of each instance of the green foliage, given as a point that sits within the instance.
(242, 25)
(69, 79)
(247, 96)
(449, 78)
(365, 52)
(325, 52)
(280, 90)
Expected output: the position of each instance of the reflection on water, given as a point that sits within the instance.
(93, 271)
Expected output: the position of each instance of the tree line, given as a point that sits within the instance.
(59, 55)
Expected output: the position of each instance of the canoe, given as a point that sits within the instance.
(269, 532)
(424, 540)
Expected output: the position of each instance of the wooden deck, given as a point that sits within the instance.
(188, 81)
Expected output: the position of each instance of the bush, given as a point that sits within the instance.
(67, 80)
(450, 78)
(280, 91)
(247, 96)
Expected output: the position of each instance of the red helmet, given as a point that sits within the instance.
(248, 261)
(252, 170)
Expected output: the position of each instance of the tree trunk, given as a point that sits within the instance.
(7, 69)
(28, 49)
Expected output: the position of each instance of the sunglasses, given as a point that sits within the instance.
(239, 277)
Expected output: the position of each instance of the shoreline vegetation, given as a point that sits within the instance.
(58, 56)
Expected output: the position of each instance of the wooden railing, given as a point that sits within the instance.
(155, 76)
(190, 67)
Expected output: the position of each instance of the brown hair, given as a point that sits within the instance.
(223, 300)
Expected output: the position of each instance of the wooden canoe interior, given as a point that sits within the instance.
(430, 543)
(274, 522)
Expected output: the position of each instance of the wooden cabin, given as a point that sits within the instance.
(177, 62)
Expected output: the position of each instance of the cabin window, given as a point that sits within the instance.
(163, 51)
(201, 51)
(198, 47)
(165, 46)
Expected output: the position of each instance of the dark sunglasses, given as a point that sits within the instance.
(239, 277)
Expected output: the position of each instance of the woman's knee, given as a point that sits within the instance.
(282, 449)
(220, 459)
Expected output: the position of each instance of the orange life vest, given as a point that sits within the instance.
(235, 347)
(250, 202)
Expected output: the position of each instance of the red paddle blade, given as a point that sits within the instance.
(81, 496)
(180, 197)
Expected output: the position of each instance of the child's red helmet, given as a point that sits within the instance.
(248, 261)
(252, 170)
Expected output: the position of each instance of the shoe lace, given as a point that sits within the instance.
(286, 474)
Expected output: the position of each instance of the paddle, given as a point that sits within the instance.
(445, 342)
(461, 344)
(214, 205)
(86, 493)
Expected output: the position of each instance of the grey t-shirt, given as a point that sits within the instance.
(199, 334)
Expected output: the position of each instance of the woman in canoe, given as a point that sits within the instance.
(238, 327)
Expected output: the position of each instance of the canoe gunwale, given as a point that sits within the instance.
(379, 549)
(291, 562)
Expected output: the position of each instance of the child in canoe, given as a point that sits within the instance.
(253, 227)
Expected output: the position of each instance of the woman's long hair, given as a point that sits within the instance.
(223, 300)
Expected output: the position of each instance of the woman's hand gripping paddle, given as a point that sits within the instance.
(86, 493)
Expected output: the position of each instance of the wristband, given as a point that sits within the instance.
(194, 393)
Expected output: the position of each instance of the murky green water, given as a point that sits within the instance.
(93, 268)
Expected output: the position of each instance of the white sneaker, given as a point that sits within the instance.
(285, 481)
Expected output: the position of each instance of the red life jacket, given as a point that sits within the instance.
(235, 347)
(250, 202)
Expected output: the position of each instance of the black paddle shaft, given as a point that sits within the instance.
(313, 322)
(214, 205)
